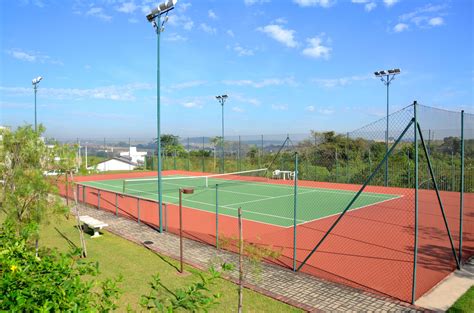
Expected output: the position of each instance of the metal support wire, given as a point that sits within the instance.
(435, 184)
(357, 195)
(461, 188)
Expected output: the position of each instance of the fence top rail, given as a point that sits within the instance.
(122, 194)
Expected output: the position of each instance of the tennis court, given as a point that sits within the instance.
(262, 200)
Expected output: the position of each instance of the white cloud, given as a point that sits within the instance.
(280, 34)
(436, 21)
(99, 13)
(369, 5)
(184, 6)
(188, 84)
(132, 20)
(424, 17)
(174, 37)
(238, 109)
(208, 29)
(337, 82)
(390, 3)
(21, 55)
(230, 33)
(127, 7)
(243, 99)
(242, 51)
(263, 83)
(252, 2)
(316, 49)
(211, 14)
(400, 27)
(313, 3)
(279, 107)
(182, 21)
(31, 56)
(115, 93)
(192, 105)
(310, 108)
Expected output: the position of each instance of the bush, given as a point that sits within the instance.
(54, 282)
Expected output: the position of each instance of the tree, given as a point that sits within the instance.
(170, 145)
(27, 196)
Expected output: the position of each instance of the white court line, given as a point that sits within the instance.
(258, 200)
(204, 203)
(350, 210)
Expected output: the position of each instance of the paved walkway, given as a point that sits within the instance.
(443, 296)
(298, 289)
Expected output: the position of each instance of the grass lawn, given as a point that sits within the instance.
(137, 264)
(465, 303)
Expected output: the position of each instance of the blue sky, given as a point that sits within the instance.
(287, 66)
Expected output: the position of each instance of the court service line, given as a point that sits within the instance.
(204, 203)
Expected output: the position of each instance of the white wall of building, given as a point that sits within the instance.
(113, 165)
(137, 157)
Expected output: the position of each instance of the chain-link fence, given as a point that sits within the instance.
(362, 208)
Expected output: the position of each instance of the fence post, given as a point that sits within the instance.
(138, 210)
(166, 215)
(337, 166)
(84, 194)
(77, 192)
(415, 244)
(295, 195)
(217, 216)
(461, 188)
(174, 160)
(239, 166)
(98, 199)
(116, 204)
(347, 158)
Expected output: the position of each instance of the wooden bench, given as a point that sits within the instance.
(93, 224)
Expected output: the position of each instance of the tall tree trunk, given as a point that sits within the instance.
(78, 222)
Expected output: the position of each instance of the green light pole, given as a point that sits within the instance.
(155, 18)
(386, 77)
(35, 83)
(221, 100)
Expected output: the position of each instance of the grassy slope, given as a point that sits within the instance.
(465, 303)
(119, 256)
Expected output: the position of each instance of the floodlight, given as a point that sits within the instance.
(391, 71)
(383, 73)
(224, 96)
(376, 73)
(161, 9)
(397, 70)
(36, 80)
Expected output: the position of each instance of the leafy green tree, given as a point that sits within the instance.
(27, 197)
(52, 283)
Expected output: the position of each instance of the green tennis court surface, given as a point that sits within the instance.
(260, 201)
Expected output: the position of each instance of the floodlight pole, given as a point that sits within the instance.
(221, 100)
(35, 83)
(155, 18)
(386, 77)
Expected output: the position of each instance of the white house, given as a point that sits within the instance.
(115, 164)
(134, 155)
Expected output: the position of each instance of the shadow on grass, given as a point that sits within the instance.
(69, 241)
(161, 257)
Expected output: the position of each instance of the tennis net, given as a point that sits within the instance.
(171, 184)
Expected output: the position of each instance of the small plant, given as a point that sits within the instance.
(197, 297)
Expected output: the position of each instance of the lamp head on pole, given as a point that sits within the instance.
(162, 8)
(36, 80)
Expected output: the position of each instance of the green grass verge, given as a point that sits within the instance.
(465, 303)
(137, 264)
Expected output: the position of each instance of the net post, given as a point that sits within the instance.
(138, 210)
(415, 243)
(116, 204)
(295, 195)
(461, 189)
(217, 216)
